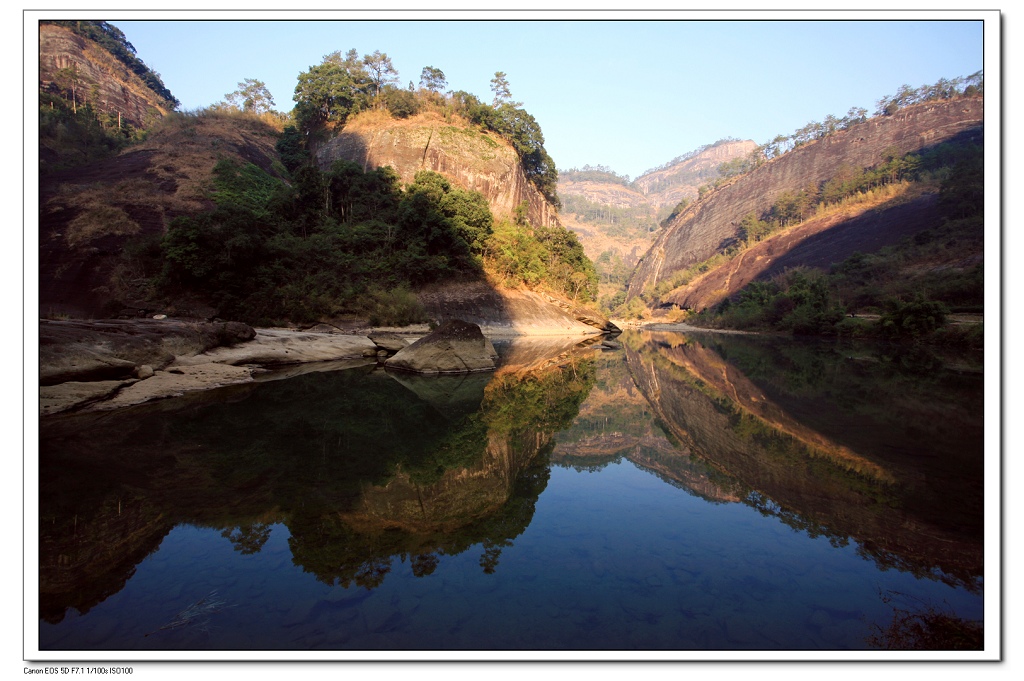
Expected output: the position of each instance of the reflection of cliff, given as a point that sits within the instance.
(807, 479)
(616, 422)
(362, 468)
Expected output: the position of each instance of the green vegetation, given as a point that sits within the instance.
(342, 85)
(909, 307)
(324, 244)
(113, 40)
(349, 242)
(521, 255)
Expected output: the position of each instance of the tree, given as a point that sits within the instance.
(324, 94)
(251, 96)
(499, 86)
(380, 70)
(433, 79)
(67, 79)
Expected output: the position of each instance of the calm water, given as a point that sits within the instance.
(668, 493)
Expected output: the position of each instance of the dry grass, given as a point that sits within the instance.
(99, 221)
(186, 147)
(182, 152)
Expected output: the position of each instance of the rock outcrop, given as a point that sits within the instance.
(103, 82)
(454, 347)
(712, 223)
(670, 185)
(507, 312)
(472, 159)
(113, 349)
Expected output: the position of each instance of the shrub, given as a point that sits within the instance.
(912, 320)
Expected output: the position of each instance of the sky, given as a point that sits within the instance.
(628, 94)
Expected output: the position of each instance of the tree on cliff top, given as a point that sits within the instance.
(381, 70)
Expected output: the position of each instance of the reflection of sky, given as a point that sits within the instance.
(612, 559)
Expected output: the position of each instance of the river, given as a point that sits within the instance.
(657, 492)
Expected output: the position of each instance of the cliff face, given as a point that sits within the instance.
(645, 201)
(668, 186)
(710, 224)
(102, 81)
(472, 159)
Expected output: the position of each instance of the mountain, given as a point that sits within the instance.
(471, 158)
(713, 224)
(69, 61)
(212, 213)
(617, 220)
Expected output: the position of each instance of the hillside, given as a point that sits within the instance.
(472, 158)
(712, 224)
(96, 220)
(69, 62)
(222, 213)
(611, 214)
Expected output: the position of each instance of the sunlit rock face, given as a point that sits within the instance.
(108, 85)
(454, 347)
(712, 223)
(472, 159)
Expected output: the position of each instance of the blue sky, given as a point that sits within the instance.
(627, 94)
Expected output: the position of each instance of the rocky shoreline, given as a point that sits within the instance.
(93, 365)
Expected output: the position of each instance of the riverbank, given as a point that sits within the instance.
(108, 364)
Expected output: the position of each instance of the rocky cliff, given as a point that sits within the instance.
(473, 159)
(630, 227)
(668, 186)
(102, 81)
(710, 224)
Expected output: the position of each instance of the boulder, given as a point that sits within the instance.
(391, 342)
(454, 347)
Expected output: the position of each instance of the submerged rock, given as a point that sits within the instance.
(455, 347)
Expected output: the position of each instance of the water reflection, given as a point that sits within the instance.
(659, 491)
(362, 466)
(850, 443)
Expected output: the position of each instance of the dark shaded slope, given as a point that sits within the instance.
(710, 225)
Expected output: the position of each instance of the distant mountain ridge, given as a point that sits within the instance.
(617, 219)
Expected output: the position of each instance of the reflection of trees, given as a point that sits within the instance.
(326, 447)
(487, 499)
(248, 539)
(816, 455)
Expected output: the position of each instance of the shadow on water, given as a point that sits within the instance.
(810, 471)
(362, 466)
